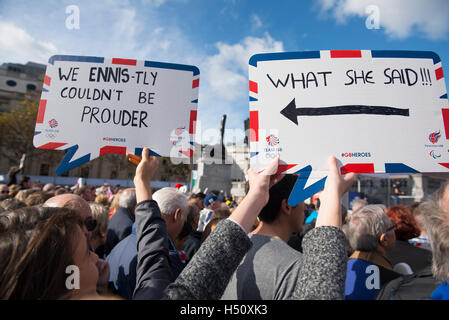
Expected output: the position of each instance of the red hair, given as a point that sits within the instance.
(406, 225)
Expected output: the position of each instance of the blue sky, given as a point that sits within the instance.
(218, 36)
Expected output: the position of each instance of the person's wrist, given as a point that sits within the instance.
(261, 196)
(141, 181)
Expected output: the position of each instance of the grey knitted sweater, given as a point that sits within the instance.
(322, 275)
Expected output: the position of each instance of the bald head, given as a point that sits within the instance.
(74, 202)
(48, 187)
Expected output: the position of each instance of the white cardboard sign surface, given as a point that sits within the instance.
(375, 111)
(91, 106)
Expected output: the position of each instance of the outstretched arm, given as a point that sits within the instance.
(153, 270)
(323, 271)
(208, 273)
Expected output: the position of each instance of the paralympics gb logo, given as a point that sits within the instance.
(434, 137)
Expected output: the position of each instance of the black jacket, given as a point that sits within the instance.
(415, 257)
(119, 227)
(153, 269)
(192, 244)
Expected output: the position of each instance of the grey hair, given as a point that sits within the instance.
(169, 200)
(127, 199)
(436, 223)
(358, 203)
(365, 226)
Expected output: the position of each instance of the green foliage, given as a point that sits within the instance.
(17, 133)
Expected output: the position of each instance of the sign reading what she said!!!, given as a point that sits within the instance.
(376, 111)
(92, 106)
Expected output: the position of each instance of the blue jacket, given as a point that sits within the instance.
(123, 264)
(441, 293)
(363, 279)
(119, 227)
(176, 264)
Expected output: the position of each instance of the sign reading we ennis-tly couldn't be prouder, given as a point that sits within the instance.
(376, 111)
(91, 106)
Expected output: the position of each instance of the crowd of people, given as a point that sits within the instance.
(140, 243)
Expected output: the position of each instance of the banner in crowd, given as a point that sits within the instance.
(375, 111)
(91, 106)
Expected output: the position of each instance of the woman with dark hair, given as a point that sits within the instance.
(25, 182)
(405, 229)
(40, 249)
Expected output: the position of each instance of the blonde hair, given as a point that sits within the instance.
(103, 200)
(115, 201)
(99, 213)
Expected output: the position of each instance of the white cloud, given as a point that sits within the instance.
(158, 3)
(128, 31)
(16, 42)
(224, 81)
(399, 18)
(227, 71)
(256, 21)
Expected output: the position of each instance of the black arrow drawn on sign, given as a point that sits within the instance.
(292, 113)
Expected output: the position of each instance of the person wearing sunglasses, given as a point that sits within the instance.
(371, 235)
(4, 191)
(88, 224)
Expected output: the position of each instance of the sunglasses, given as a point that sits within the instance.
(391, 228)
(4, 191)
(90, 224)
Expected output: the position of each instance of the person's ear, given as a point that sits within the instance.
(177, 215)
(383, 240)
(285, 207)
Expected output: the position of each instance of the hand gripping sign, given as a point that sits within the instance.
(376, 111)
(92, 106)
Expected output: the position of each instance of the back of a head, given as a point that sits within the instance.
(365, 227)
(358, 203)
(37, 198)
(101, 214)
(82, 190)
(185, 231)
(36, 249)
(128, 199)
(21, 195)
(59, 191)
(170, 199)
(12, 204)
(222, 212)
(103, 200)
(278, 192)
(210, 227)
(418, 215)
(48, 187)
(406, 225)
(435, 213)
(23, 180)
(193, 212)
(69, 201)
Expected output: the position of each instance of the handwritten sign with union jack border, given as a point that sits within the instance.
(376, 111)
(91, 106)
